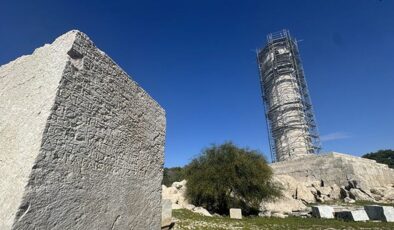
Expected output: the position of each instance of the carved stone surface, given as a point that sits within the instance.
(81, 144)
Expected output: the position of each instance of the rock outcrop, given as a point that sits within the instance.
(81, 144)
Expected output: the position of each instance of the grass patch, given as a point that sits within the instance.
(186, 219)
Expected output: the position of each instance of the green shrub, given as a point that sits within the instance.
(170, 175)
(382, 156)
(226, 176)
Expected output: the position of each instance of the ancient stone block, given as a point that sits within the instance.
(166, 213)
(235, 213)
(354, 215)
(323, 211)
(81, 144)
(383, 213)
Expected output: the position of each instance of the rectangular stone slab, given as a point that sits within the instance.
(235, 213)
(81, 144)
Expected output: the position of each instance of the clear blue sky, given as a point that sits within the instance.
(197, 59)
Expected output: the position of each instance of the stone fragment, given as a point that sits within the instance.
(81, 144)
(179, 185)
(166, 213)
(235, 213)
(293, 188)
(348, 200)
(202, 211)
(355, 215)
(284, 205)
(335, 193)
(357, 194)
(189, 207)
(323, 211)
(383, 213)
(279, 215)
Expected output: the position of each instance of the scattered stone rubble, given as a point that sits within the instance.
(177, 194)
(328, 178)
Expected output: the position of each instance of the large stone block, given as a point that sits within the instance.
(323, 211)
(81, 144)
(383, 213)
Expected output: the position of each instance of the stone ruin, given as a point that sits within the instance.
(325, 178)
(81, 144)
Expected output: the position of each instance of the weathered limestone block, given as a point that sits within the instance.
(354, 215)
(81, 144)
(166, 213)
(383, 213)
(235, 213)
(323, 211)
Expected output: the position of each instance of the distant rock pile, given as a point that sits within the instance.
(328, 177)
(177, 194)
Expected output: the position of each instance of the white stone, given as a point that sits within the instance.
(383, 213)
(284, 205)
(357, 194)
(202, 211)
(323, 211)
(335, 193)
(349, 200)
(190, 207)
(279, 215)
(354, 215)
(235, 213)
(179, 185)
(81, 144)
(166, 213)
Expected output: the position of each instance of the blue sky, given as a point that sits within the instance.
(197, 59)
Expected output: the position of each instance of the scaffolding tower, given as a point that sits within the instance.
(289, 114)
